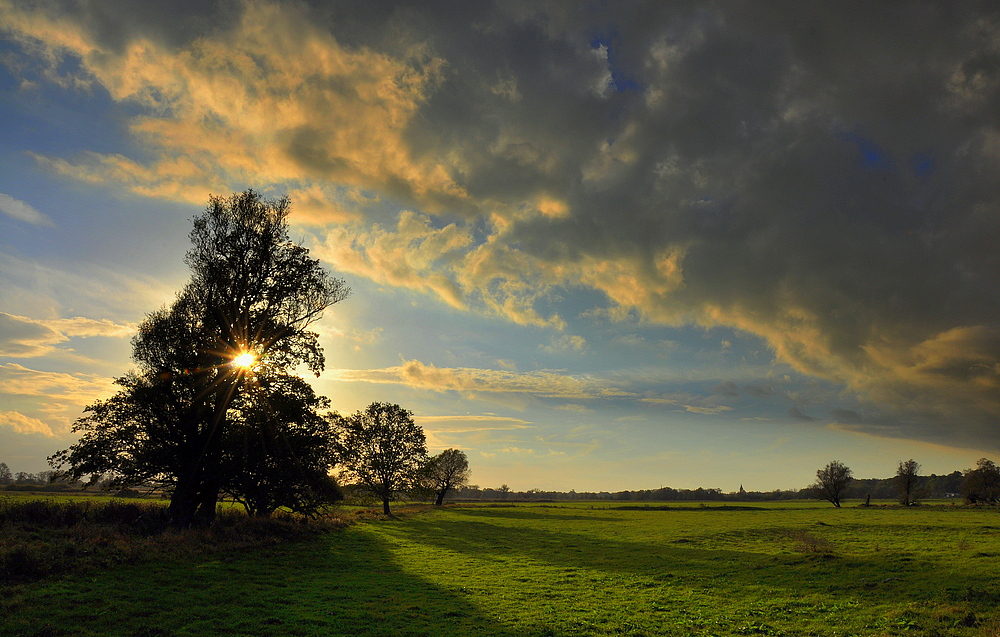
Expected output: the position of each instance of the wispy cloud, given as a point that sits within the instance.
(35, 288)
(17, 209)
(47, 402)
(467, 424)
(566, 343)
(542, 384)
(23, 337)
(78, 389)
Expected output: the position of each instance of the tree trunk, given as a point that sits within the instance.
(208, 501)
(183, 502)
(440, 498)
(385, 506)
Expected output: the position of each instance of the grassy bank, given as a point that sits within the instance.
(555, 569)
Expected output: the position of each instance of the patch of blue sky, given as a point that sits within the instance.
(42, 117)
(90, 226)
(871, 155)
(922, 165)
(621, 80)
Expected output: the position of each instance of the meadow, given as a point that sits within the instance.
(797, 568)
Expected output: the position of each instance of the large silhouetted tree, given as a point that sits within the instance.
(832, 481)
(252, 297)
(446, 471)
(906, 481)
(380, 449)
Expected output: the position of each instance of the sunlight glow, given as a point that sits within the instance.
(245, 360)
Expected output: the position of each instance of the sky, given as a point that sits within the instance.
(595, 245)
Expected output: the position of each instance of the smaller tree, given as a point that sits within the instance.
(381, 449)
(5, 475)
(446, 471)
(832, 481)
(982, 484)
(906, 481)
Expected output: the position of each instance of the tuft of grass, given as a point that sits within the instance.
(806, 542)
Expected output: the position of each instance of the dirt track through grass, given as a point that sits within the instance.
(563, 570)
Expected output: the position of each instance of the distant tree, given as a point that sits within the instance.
(832, 481)
(446, 471)
(381, 449)
(906, 481)
(982, 484)
(252, 297)
(504, 490)
(5, 475)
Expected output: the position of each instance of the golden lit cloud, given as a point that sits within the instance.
(23, 337)
(24, 424)
(47, 402)
(408, 256)
(57, 386)
(274, 98)
(468, 424)
(541, 384)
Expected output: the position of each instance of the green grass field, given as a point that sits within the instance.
(561, 569)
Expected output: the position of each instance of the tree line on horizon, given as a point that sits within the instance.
(979, 485)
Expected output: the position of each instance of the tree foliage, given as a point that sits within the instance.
(251, 290)
(831, 482)
(446, 471)
(982, 484)
(380, 449)
(907, 481)
(278, 449)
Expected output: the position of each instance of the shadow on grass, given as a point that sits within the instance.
(803, 571)
(344, 583)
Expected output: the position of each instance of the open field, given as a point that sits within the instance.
(801, 568)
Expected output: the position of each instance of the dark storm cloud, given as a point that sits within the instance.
(829, 172)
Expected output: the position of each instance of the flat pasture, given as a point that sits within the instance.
(561, 569)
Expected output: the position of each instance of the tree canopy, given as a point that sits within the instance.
(906, 481)
(241, 322)
(832, 481)
(982, 484)
(446, 471)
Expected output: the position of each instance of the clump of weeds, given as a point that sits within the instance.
(806, 542)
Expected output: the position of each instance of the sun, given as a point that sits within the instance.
(246, 360)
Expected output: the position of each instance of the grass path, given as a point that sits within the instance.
(567, 570)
